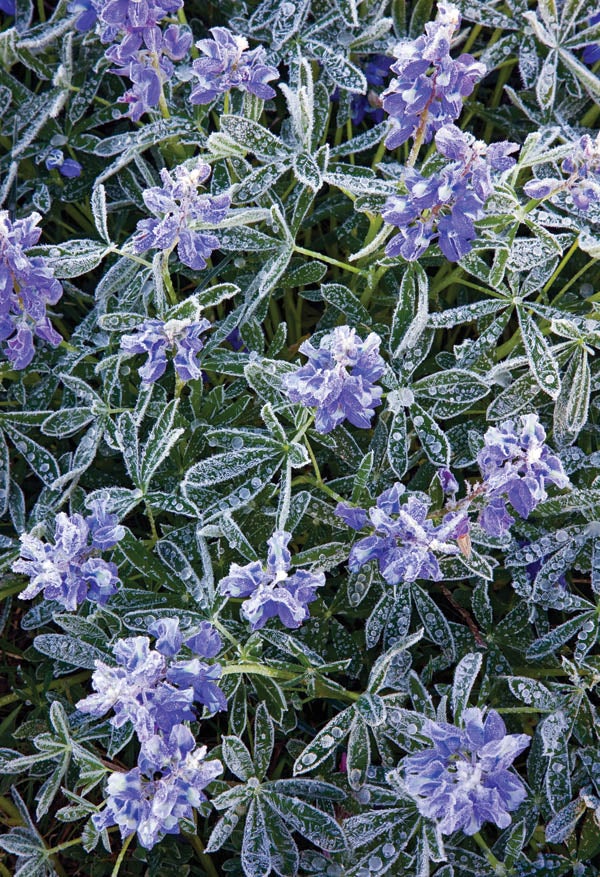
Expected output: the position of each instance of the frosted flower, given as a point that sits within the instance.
(272, 591)
(229, 63)
(463, 780)
(430, 87)
(165, 788)
(445, 205)
(591, 53)
(156, 337)
(183, 216)
(339, 379)
(70, 570)
(27, 286)
(150, 689)
(516, 466)
(405, 542)
(67, 167)
(583, 182)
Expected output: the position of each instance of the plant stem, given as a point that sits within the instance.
(119, 862)
(496, 864)
(205, 860)
(331, 261)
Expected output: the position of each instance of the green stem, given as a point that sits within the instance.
(331, 261)
(322, 689)
(574, 279)
(205, 860)
(313, 460)
(304, 428)
(573, 248)
(119, 862)
(496, 864)
(64, 846)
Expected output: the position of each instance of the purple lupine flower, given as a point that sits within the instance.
(376, 71)
(339, 379)
(583, 182)
(68, 167)
(27, 286)
(135, 690)
(430, 87)
(272, 591)
(183, 216)
(229, 63)
(8, 7)
(105, 529)
(145, 54)
(446, 204)
(150, 689)
(169, 638)
(516, 466)
(405, 541)
(116, 17)
(591, 53)
(205, 641)
(464, 780)
(86, 12)
(165, 788)
(448, 482)
(70, 571)
(202, 678)
(155, 337)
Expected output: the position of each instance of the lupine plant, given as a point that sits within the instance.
(299, 460)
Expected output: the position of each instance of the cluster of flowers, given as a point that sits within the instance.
(405, 540)
(71, 570)
(583, 183)
(431, 86)
(229, 63)
(155, 337)
(445, 205)
(339, 379)
(183, 216)
(272, 591)
(463, 780)
(27, 285)
(516, 466)
(156, 693)
(145, 53)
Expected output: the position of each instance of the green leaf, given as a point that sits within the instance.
(318, 827)
(284, 852)
(69, 650)
(434, 623)
(431, 436)
(67, 421)
(345, 301)
(264, 739)
(541, 361)
(325, 743)
(237, 758)
(359, 753)
(464, 678)
(159, 444)
(573, 401)
(252, 137)
(307, 171)
(411, 313)
(256, 856)
(38, 458)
